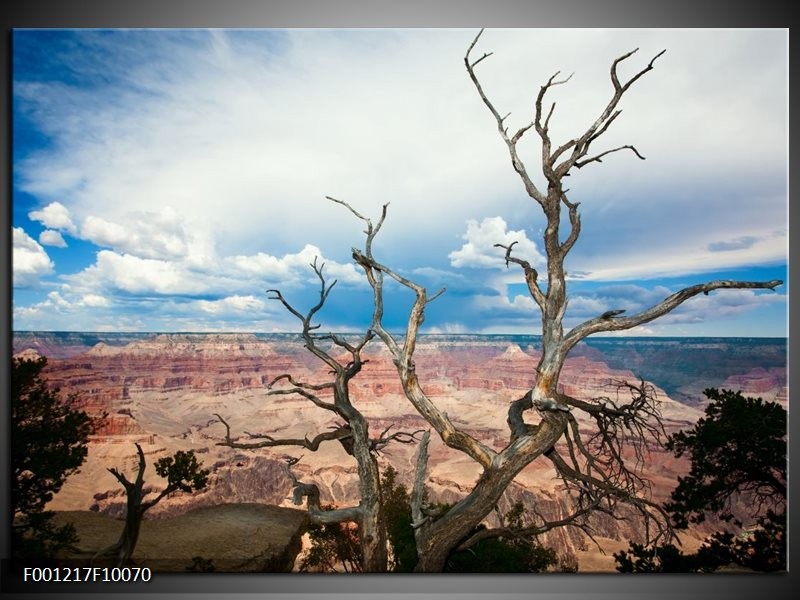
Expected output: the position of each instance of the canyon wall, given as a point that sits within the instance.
(162, 392)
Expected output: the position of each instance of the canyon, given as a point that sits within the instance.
(163, 390)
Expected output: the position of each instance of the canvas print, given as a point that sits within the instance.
(399, 300)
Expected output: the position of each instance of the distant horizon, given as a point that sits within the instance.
(398, 334)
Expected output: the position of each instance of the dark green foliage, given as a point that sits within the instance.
(182, 471)
(738, 449)
(335, 547)
(763, 549)
(397, 512)
(48, 443)
(504, 555)
(738, 454)
(660, 559)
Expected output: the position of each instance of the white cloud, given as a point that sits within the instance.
(243, 136)
(682, 258)
(71, 313)
(232, 304)
(94, 301)
(137, 275)
(448, 329)
(147, 235)
(294, 266)
(501, 305)
(479, 250)
(56, 300)
(55, 216)
(30, 261)
(49, 237)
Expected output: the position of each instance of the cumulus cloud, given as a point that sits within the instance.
(55, 216)
(137, 275)
(93, 300)
(55, 301)
(147, 235)
(503, 306)
(292, 266)
(50, 237)
(230, 304)
(479, 251)
(30, 261)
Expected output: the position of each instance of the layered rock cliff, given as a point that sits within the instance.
(163, 392)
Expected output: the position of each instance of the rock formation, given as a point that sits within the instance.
(162, 392)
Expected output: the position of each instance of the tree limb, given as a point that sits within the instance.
(532, 530)
(604, 323)
(418, 519)
(311, 492)
(404, 361)
(340, 432)
(531, 275)
(519, 167)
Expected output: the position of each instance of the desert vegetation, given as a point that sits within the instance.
(737, 477)
(48, 443)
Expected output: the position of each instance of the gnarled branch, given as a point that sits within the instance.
(531, 275)
(604, 323)
(310, 492)
(338, 432)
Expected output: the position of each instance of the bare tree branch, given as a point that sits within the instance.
(401, 437)
(340, 432)
(310, 492)
(605, 323)
(404, 360)
(418, 491)
(519, 167)
(580, 146)
(597, 158)
(531, 275)
(573, 519)
(301, 389)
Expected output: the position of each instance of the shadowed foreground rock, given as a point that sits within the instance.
(233, 537)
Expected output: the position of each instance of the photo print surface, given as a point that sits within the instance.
(400, 300)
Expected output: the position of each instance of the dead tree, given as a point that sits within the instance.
(594, 469)
(183, 473)
(353, 433)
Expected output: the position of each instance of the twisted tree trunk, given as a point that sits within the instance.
(597, 474)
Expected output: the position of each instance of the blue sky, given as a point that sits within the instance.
(164, 179)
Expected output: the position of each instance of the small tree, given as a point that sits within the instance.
(49, 442)
(738, 467)
(737, 452)
(334, 547)
(183, 474)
